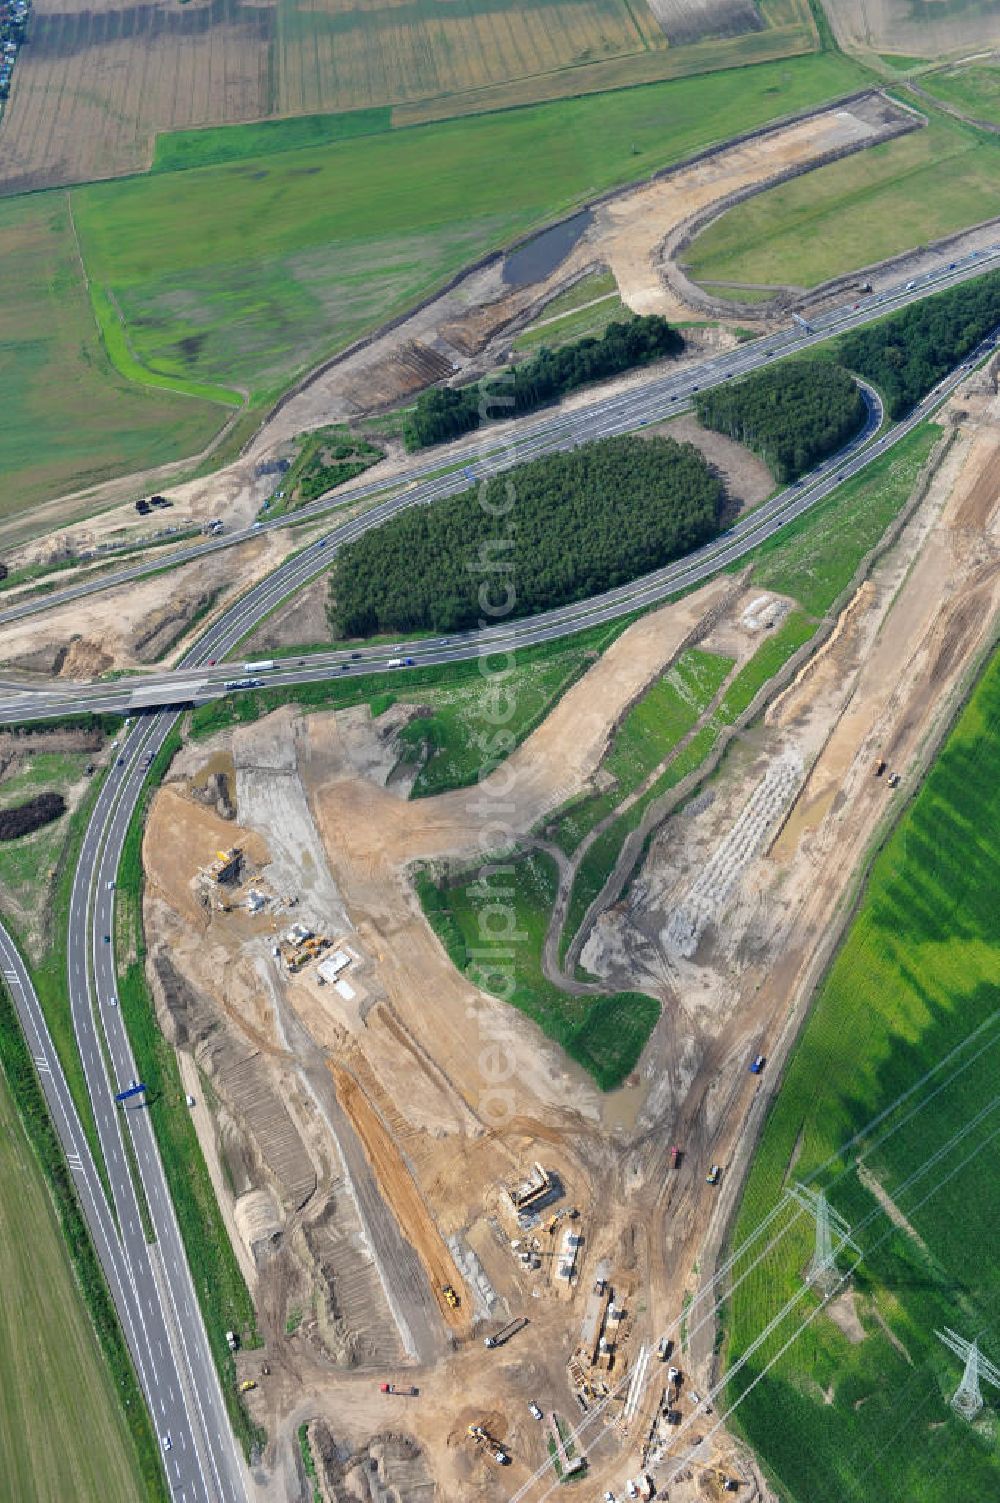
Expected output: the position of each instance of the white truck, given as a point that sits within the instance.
(265, 665)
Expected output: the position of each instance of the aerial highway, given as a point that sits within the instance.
(151, 1283)
(203, 673)
(659, 394)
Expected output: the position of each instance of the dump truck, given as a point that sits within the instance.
(401, 1392)
(501, 1337)
(879, 768)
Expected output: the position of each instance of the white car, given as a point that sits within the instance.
(609, 1498)
(167, 1442)
(534, 1411)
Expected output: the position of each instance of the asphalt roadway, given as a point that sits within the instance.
(493, 449)
(151, 1283)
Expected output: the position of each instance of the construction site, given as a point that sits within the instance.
(462, 1303)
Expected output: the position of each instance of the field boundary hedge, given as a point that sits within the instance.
(495, 257)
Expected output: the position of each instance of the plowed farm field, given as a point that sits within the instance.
(334, 54)
(96, 85)
(93, 86)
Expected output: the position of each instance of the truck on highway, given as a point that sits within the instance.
(409, 1392)
(264, 665)
(502, 1336)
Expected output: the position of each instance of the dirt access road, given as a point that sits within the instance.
(406, 1043)
(471, 326)
(887, 685)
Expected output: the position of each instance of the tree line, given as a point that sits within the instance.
(447, 412)
(906, 354)
(793, 415)
(543, 534)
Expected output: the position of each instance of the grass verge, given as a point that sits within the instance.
(605, 1034)
(476, 719)
(849, 214)
(916, 978)
(76, 1434)
(309, 1464)
(222, 1294)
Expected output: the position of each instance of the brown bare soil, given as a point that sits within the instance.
(923, 31)
(398, 1188)
(96, 83)
(411, 1044)
(747, 479)
(142, 623)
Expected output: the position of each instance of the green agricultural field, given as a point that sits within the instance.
(853, 212)
(604, 1034)
(62, 1433)
(900, 1055)
(972, 88)
(238, 275)
(69, 418)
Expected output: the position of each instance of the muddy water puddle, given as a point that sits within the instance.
(221, 762)
(539, 257)
(804, 818)
(620, 1109)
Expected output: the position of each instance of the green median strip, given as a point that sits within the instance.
(222, 1294)
(22, 1079)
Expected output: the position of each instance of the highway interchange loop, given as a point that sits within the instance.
(150, 1282)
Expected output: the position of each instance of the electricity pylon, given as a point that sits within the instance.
(822, 1271)
(967, 1399)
